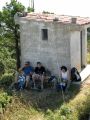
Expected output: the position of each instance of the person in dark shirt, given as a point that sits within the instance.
(39, 69)
(39, 74)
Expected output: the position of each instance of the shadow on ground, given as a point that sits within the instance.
(46, 99)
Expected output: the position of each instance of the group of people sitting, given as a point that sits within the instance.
(27, 73)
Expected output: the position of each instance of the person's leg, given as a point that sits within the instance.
(42, 77)
(34, 77)
(27, 81)
(54, 81)
(67, 85)
(22, 83)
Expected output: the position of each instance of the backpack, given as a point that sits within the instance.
(75, 75)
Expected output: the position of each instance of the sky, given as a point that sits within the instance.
(66, 7)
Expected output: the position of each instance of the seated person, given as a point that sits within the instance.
(53, 80)
(75, 75)
(19, 80)
(65, 77)
(28, 71)
(39, 74)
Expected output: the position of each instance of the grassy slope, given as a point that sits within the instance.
(49, 105)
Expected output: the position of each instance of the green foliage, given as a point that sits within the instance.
(50, 115)
(64, 113)
(2, 67)
(5, 99)
(30, 9)
(46, 12)
(9, 35)
(65, 110)
(9, 11)
(7, 60)
(6, 80)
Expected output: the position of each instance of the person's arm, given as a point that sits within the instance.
(32, 70)
(22, 68)
(36, 70)
(44, 71)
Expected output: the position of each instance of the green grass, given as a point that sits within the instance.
(49, 105)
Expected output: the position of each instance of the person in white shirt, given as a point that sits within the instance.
(65, 77)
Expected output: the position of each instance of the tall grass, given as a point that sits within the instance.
(48, 105)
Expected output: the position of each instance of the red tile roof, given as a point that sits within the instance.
(61, 18)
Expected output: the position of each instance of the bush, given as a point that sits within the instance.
(10, 65)
(65, 110)
(6, 79)
(1, 67)
(5, 99)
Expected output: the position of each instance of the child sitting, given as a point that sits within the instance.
(21, 80)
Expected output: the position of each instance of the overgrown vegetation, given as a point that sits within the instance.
(48, 105)
(4, 100)
(33, 105)
(6, 80)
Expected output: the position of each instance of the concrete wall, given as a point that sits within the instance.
(52, 53)
(61, 48)
(78, 49)
(75, 50)
(84, 47)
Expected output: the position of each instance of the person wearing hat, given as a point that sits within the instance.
(28, 71)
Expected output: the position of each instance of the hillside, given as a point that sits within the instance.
(49, 104)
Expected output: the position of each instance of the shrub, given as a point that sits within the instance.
(6, 79)
(10, 64)
(65, 110)
(50, 115)
(5, 99)
(1, 67)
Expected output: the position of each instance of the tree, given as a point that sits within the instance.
(8, 24)
(30, 9)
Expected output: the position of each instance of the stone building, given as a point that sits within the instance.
(55, 40)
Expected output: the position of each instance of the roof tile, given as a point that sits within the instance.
(61, 18)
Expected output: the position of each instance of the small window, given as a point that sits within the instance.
(44, 34)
